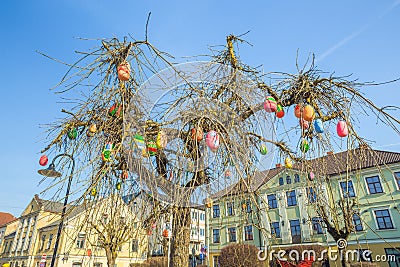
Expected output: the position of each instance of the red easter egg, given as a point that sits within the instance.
(43, 160)
(124, 175)
(304, 124)
(270, 104)
(124, 71)
(197, 133)
(308, 113)
(341, 129)
(297, 110)
(279, 112)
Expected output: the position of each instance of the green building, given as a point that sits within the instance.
(281, 208)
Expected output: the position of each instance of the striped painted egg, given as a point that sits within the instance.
(124, 71)
(151, 148)
(73, 133)
(297, 110)
(279, 112)
(304, 146)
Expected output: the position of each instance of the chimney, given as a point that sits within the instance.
(329, 153)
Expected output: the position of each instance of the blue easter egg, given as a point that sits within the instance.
(319, 126)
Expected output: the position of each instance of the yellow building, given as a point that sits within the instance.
(30, 240)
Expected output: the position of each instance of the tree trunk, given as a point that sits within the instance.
(180, 237)
(111, 257)
(343, 259)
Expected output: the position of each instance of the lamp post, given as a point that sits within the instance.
(51, 172)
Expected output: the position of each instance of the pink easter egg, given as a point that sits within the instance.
(304, 124)
(341, 129)
(270, 104)
(124, 71)
(212, 140)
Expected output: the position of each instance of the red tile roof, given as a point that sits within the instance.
(5, 218)
(328, 165)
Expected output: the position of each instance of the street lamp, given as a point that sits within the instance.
(51, 172)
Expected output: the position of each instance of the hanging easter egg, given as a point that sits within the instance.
(270, 104)
(153, 226)
(263, 149)
(43, 160)
(165, 233)
(297, 110)
(341, 129)
(279, 112)
(304, 146)
(288, 163)
(93, 128)
(149, 232)
(310, 176)
(197, 133)
(118, 186)
(212, 140)
(319, 126)
(161, 140)
(228, 174)
(152, 148)
(124, 175)
(208, 202)
(304, 124)
(73, 133)
(124, 71)
(93, 192)
(139, 145)
(115, 110)
(308, 113)
(107, 150)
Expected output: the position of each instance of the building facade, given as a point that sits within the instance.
(279, 208)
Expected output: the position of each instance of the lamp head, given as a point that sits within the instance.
(50, 171)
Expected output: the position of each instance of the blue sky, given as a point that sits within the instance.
(359, 37)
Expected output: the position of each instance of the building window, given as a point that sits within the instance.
(272, 203)
(230, 208)
(357, 222)
(275, 229)
(202, 231)
(374, 185)
(49, 242)
(347, 189)
(5, 247)
(232, 234)
(215, 261)
(135, 245)
(288, 180)
(297, 178)
(216, 236)
(248, 232)
(216, 211)
(202, 216)
(98, 264)
(280, 180)
(42, 240)
(80, 241)
(295, 230)
(291, 198)
(383, 219)
(397, 178)
(317, 225)
(247, 206)
(312, 195)
(393, 256)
